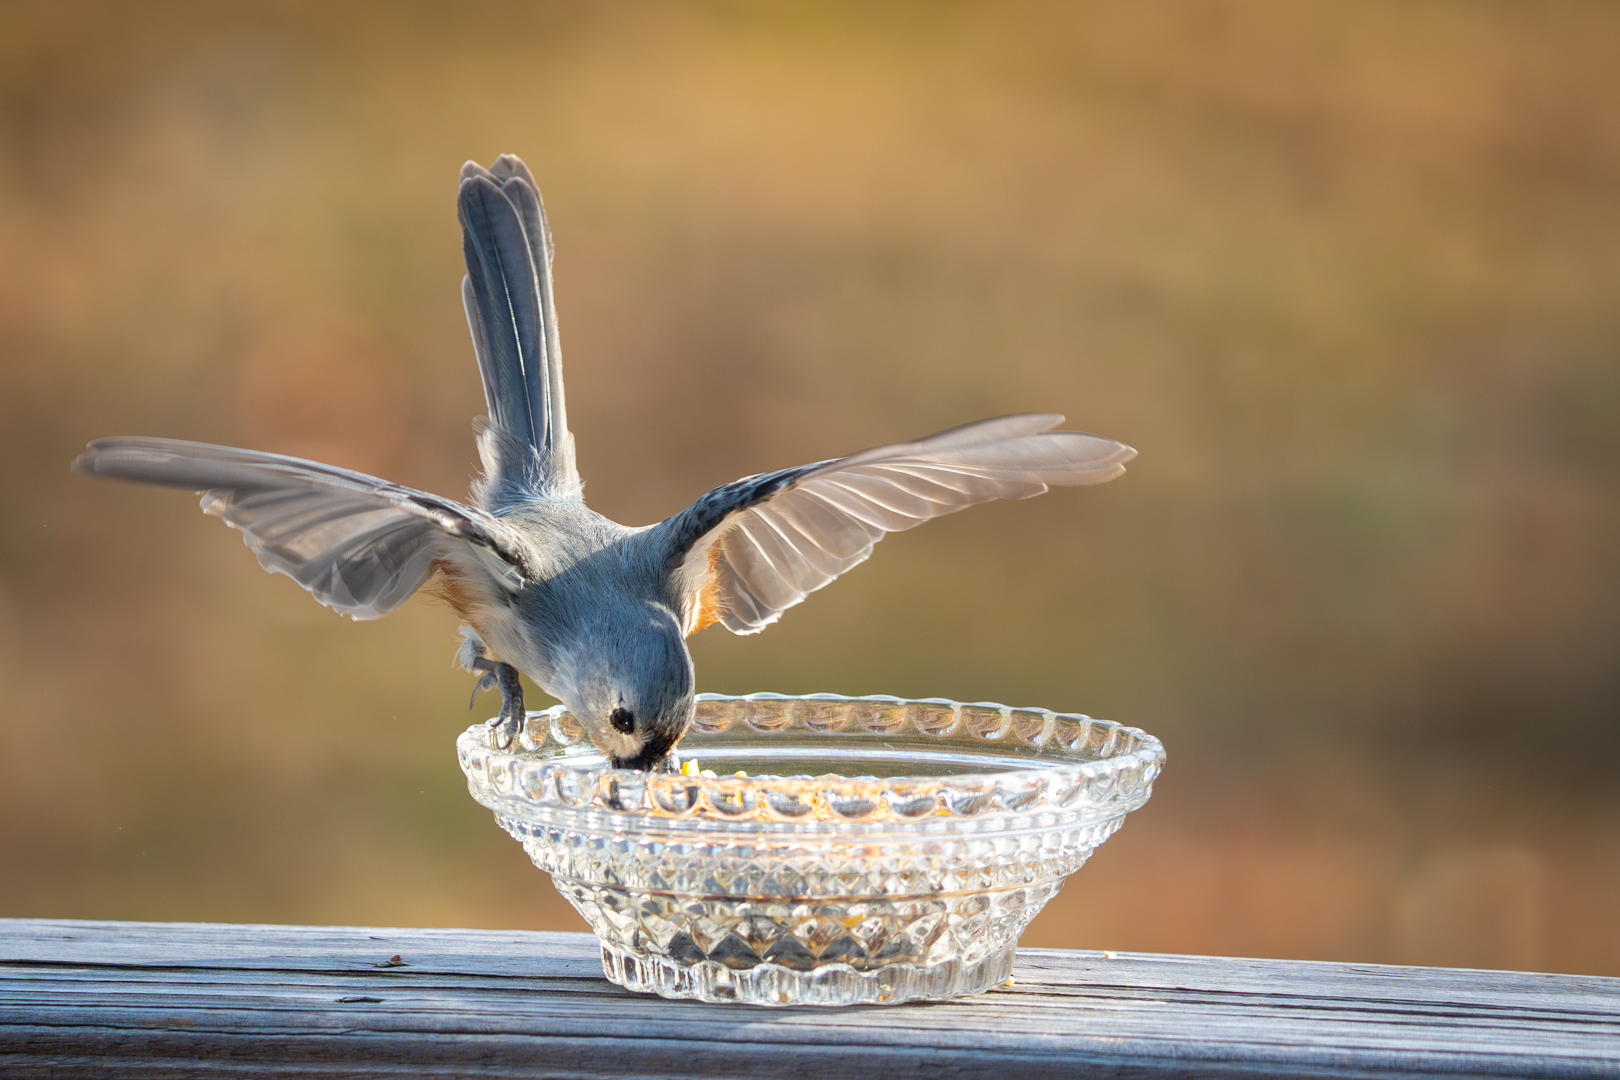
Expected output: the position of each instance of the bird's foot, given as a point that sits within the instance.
(510, 721)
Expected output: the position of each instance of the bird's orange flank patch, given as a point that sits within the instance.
(709, 604)
(447, 585)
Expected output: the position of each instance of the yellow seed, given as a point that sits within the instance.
(689, 767)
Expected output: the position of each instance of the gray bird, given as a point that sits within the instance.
(594, 612)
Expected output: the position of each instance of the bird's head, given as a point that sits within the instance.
(629, 683)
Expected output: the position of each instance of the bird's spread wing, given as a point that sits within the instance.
(360, 545)
(756, 547)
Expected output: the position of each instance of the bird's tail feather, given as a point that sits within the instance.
(510, 311)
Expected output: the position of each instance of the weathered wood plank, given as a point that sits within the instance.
(196, 1000)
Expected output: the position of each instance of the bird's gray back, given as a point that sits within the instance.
(587, 573)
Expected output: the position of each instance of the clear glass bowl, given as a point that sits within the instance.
(900, 860)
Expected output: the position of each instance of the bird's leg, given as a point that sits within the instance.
(510, 721)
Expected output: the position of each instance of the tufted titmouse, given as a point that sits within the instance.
(594, 612)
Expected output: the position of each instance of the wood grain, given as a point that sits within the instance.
(200, 1000)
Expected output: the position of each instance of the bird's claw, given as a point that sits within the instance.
(485, 682)
(506, 729)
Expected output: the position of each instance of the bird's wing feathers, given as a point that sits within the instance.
(360, 545)
(762, 544)
(510, 310)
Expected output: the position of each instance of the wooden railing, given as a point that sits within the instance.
(120, 999)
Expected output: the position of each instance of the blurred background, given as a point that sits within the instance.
(1345, 273)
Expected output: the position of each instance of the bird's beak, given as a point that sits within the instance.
(653, 752)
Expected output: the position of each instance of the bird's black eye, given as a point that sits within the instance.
(623, 720)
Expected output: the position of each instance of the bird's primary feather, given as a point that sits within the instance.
(360, 545)
(749, 550)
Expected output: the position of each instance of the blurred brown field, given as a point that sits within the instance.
(1345, 273)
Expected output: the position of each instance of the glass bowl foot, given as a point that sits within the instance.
(830, 984)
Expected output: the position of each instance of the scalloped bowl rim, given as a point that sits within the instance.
(1054, 779)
